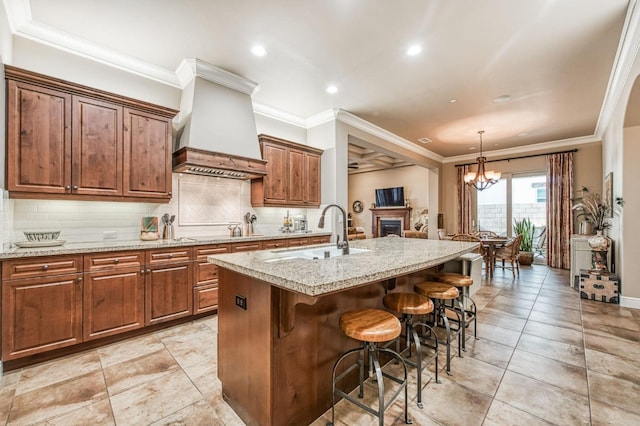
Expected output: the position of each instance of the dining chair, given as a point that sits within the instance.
(509, 253)
(415, 234)
(485, 234)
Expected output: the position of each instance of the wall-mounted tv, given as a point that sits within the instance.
(390, 197)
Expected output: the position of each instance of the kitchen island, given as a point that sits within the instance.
(278, 332)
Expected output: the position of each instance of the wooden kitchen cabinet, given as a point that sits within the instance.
(68, 141)
(42, 312)
(205, 289)
(113, 297)
(293, 174)
(168, 285)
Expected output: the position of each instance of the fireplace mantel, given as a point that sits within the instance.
(400, 213)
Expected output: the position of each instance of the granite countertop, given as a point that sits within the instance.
(385, 258)
(114, 245)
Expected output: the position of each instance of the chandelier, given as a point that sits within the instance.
(481, 179)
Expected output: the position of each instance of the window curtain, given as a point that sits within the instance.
(559, 213)
(464, 202)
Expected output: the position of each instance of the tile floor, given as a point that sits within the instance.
(543, 357)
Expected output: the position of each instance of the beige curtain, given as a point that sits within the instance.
(464, 202)
(559, 213)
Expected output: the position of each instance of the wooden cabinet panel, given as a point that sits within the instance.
(276, 157)
(276, 244)
(97, 147)
(163, 256)
(41, 267)
(320, 240)
(168, 292)
(113, 260)
(113, 302)
(248, 246)
(205, 298)
(298, 242)
(207, 273)
(41, 314)
(147, 155)
(296, 177)
(38, 139)
(311, 181)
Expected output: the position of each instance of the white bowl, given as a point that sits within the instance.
(41, 235)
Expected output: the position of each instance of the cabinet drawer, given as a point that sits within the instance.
(206, 273)
(41, 267)
(275, 244)
(298, 242)
(178, 254)
(112, 260)
(256, 245)
(205, 299)
(203, 251)
(320, 240)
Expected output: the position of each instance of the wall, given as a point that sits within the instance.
(414, 179)
(587, 171)
(6, 45)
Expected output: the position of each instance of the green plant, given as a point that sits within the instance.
(594, 208)
(526, 228)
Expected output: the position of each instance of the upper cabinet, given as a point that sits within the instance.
(68, 141)
(293, 175)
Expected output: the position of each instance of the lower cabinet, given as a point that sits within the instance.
(41, 314)
(168, 292)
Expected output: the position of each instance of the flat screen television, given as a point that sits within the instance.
(390, 197)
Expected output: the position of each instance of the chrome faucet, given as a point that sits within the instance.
(344, 244)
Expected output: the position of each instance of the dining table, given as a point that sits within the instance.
(490, 245)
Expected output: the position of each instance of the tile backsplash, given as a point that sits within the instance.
(203, 206)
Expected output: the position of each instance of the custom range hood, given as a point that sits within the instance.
(218, 134)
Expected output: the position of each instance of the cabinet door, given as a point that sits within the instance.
(296, 177)
(147, 155)
(311, 180)
(168, 292)
(276, 180)
(41, 314)
(38, 139)
(113, 302)
(97, 148)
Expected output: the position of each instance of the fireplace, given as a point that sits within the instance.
(385, 221)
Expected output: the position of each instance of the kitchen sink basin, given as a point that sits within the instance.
(313, 253)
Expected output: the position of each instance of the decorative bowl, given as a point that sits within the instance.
(41, 235)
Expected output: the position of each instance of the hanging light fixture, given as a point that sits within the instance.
(481, 179)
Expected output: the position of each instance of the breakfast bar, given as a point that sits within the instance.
(278, 312)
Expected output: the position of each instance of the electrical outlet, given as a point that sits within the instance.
(241, 301)
(110, 235)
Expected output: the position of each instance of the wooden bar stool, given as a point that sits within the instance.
(370, 326)
(462, 283)
(410, 304)
(440, 293)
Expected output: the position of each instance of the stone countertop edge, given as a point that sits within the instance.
(386, 258)
(106, 246)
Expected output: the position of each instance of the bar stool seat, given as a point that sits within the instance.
(440, 293)
(462, 283)
(410, 304)
(454, 279)
(370, 326)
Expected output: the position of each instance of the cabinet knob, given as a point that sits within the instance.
(75, 187)
(67, 187)
(79, 279)
(148, 271)
(170, 255)
(45, 267)
(116, 260)
(142, 272)
(170, 193)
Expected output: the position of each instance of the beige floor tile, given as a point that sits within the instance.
(602, 329)
(614, 365)
(61, 398)
(498, 334)
(543, 400)
(96, 413)
(561, 302)
(506, 308)
(573, 336)
(500, 319)
(490, 352)
(550, 371)
(564, 352)
(154, 400)
(59, 370)
(606, 414)
(186, 353)
(210, 321)
(476, 375)
(605, 342)
(205, 377)
(564, 318)
(517, 293)
(196, 414)
(7, 393)
(501, 414)
(552, 309)
(129, 349)
(594, 320)
(125, 375)
(614, 391)
(595, 307)
(512, 301)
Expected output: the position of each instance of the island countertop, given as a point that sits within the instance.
(384, 258)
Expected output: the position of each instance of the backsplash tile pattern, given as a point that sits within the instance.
(203, 206)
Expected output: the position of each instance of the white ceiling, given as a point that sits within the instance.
(554, 58)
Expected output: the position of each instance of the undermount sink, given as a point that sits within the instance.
(314, 253)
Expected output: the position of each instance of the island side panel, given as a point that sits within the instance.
(244, 346)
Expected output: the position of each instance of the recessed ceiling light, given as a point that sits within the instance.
(425, 140)
(414, 50)
(472, 147)
(452, 101)
(501, 99)
(259, 50)
(332, 89)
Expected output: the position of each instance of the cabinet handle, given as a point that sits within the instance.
(170, 255)
(45, 267)
(116, 260)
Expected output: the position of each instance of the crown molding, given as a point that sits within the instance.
(18, 13)
(622, 65)
(279, 115)
(524, 150)
(321, 118)
(357, 122)
(190, 68)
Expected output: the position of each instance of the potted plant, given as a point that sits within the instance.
(597, 211)
(526, 228)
